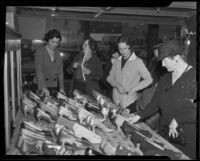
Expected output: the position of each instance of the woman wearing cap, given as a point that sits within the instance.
(126, 74)
(49, 65)
(174, 97)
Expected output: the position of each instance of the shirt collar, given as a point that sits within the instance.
(131, 58)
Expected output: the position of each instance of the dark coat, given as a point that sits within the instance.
(92, 79)
(49, 74)
(173, 102)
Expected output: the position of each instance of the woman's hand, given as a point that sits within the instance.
(172, 128)
(62, 91)
(86, 70)
(76, 64)
(133, 119)
(120, 89)
(45, 91)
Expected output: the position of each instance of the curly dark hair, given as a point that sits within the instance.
(124, 39)
(51, 34)
(171, 48)
(93, 45)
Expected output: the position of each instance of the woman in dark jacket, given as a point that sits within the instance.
(49, 65)
(174, 97)
(88, 69)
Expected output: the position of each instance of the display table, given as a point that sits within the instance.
(127, 136)
(156, 145)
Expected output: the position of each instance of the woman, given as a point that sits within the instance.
(126, 74)
(88, 69)
(49, 65)
(174, 97)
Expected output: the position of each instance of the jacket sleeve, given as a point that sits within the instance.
(60, 74)
(146, 77)
(97, 70)
(111, 78)
(188, 111)
(152, 107)
(38, 69)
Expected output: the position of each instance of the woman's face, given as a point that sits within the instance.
(53, 43)
(168, 63)
(124, 50)
(87, 50)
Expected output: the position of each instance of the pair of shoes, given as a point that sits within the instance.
(50, 109)
(41, 115)
(82, 132)
(67, 113)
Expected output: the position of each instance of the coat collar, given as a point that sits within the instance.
(131, 58)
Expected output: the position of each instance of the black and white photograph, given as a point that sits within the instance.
(100, 81)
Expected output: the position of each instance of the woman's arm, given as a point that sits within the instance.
(38, 62)
(60, 74)
(188, 111)
(146, 76)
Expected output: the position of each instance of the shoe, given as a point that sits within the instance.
(104, 101)
(41, 115)
(82, 132)
(36, 129)
(65, 138)
(28, 106)
(54, 149)
(77, 95)
(61, 96)
(51, 110)
(119, 120)
(31, 136)
(34, 97)
(67, 113)
(31, 147)
(68, 124)
(93, 123)
(107, 148)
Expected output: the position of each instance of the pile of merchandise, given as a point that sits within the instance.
(68, 126)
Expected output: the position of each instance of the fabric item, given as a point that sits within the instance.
(49, 73)
(128, 77)
(174, 102)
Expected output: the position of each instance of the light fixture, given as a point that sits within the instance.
(54, 11)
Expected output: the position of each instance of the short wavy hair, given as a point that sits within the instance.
(124, 39)
(51, 34)
(171, 48)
